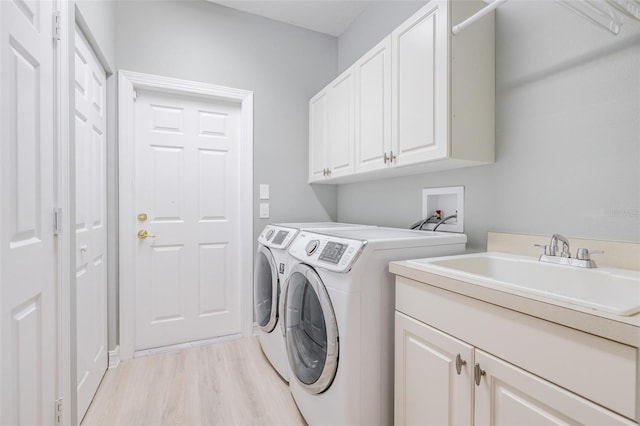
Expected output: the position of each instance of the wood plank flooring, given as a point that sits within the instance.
(226, 383)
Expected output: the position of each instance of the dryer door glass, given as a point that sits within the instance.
(266, 290)
(311, 330)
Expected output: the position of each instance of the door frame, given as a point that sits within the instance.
(128, 83)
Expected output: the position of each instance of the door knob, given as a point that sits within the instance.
(143, 234)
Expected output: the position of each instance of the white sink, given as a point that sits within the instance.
(616, 291)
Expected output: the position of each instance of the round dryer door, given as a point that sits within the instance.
(266, 290)
(311, 330)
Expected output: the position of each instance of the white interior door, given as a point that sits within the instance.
(27, 246)
(91, 232)
(187, 184)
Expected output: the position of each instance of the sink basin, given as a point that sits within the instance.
(616, 291)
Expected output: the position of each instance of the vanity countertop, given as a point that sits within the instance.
(623, 329)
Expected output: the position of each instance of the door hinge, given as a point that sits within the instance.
(135, 95)
(59, 411)
(57, 25)
(57, 221)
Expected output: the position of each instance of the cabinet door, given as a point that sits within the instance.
(508, 395)
(373, 108)
(340, 156)
(318, 135)
(420, 68)
(428, 388)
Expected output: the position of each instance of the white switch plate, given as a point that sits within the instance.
(450, 200)
(264, 191)
(264, 210)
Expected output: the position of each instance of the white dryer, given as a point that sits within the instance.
(270, 271)
(268, 274)
(339, 302)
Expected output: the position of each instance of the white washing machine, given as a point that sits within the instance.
(339, 302)
(270, 271)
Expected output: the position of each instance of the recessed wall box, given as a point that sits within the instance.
(450, 201)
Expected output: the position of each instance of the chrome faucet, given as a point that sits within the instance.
(582, 259)
(565, 245)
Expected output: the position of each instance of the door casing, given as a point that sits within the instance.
(128, 83)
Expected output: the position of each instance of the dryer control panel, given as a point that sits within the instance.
(277, 237)
(325, 251)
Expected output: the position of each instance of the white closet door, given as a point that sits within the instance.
(91, 217)
(28, 351)
(187, 182)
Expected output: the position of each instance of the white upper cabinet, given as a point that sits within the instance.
(373, 108)
(341, 125)
(331, 129)
(318, 135)
(423, 100)
(420, 85)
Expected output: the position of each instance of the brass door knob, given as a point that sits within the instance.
(143, 234)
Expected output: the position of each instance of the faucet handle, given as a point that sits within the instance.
(548, 250)
(584, 254)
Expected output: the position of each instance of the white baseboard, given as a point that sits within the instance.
(187, 345)
(114, 357)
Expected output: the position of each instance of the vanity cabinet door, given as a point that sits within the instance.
(428, 388)
(508, 395)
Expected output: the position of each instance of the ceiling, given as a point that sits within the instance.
(326, 16)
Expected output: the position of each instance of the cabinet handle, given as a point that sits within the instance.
(478, 373)
(385, 158)
(328, 172)
(391, 157)
(324, 172)
(459, 364)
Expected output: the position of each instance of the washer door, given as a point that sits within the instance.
(266, 290)
(311, 330)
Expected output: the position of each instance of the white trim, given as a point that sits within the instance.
(65, 200)
(128, 83)
(114, 358)
(187, 345)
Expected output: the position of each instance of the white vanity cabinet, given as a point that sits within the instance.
(331, 129)
(424, 98)
(433, 376)
(459, 360)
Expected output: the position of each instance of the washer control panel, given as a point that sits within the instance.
(277, 237)
(324, 251)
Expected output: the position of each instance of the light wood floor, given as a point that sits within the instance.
(226, 383)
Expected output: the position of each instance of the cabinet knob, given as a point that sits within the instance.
(385, 158)
(391, 157)
(478, 373)
(459, 364)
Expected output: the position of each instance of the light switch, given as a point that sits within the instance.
(264, 191)
(264, 210)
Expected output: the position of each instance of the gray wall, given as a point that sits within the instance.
(283, 65)
(567, 134)
(97, 19)
(374, 24)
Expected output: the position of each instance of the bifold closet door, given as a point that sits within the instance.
(28, 317)
(91, 221)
